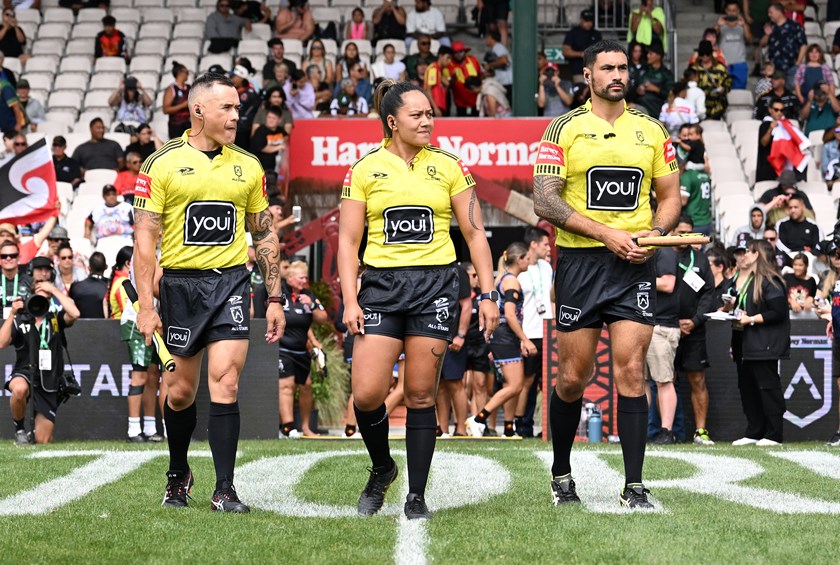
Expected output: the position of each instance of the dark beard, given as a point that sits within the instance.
(608, 94)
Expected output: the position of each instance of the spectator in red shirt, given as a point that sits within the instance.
(436, 83)
(462, 67)
(128, 178)
(110, 42)
(29, 249)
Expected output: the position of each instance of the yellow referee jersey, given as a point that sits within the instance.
(408, 208)
(608, 169)
(202, 203)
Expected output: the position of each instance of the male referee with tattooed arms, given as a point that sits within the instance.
(592, 180)
(201, 191)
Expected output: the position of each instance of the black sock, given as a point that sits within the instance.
(564, 420)
(632, 430)
(509, 428)
(420, 424)
(482, 416)
(374, 428)
(179, 429)
(223, 436)
(18, 425)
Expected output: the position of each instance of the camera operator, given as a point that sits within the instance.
(35, 329)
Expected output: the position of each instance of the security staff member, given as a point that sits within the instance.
(592, 179)
(39, 363)
(201, 191)
(406, 191)
(695, 294)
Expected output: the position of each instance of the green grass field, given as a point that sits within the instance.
(100, 502)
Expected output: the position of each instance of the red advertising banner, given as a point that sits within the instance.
(503, 150)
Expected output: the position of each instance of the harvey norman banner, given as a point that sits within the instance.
(500, 149)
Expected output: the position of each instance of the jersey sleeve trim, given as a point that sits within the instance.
(554, 163)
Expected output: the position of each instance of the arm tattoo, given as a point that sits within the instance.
(259, 224)
(147, 219)
(548, 204)
(472, 210)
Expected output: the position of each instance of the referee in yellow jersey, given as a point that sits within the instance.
(407, 192)
(202, 192)
(592, 179)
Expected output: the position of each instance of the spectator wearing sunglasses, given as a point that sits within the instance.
(126, 179)
(14, 283)
(28, 250)
(12, 37)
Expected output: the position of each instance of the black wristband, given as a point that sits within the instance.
(277, 299)
(660, 230)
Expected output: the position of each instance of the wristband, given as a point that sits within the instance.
(661, 231)
(277, 299)
(462, 335)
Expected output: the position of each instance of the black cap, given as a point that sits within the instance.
(588, 15)
(656, 47)
(742, 240)
(41, 263)
(108, 188)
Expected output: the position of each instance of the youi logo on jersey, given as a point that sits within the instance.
(408, 224)
(613, 188)
(209, 223)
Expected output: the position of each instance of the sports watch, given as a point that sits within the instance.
(492, 295)
(660, 230)
(278, 299)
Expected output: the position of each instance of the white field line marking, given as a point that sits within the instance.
(269, 484)
(598, 485)
(824, 464)
(46, 497)
(717, 475)
(412, 542)
(88, 452)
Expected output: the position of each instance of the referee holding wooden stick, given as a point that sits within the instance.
(592, 179)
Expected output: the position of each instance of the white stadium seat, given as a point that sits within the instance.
(86, 31)
(65, 99)
(110, 64)
(92, 15)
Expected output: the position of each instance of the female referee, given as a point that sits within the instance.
(407, 191)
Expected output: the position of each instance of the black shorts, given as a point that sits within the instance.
(533, 363)
(835, 357)
(691, 354)
(407, 301)
(43, 402)
(505, 353)
(497, 10)
(478, 357)
(200, 307)
(594, 287)
(454, 365)
(295, 364)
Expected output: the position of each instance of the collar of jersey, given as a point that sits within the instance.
(186, 138)
(615, 126)
(386, 142)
